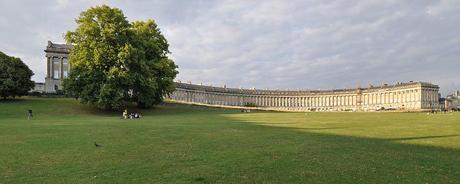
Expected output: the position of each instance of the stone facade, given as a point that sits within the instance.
(412, 96)
(57, 66)
(451, 102)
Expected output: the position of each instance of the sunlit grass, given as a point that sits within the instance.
(185, 144)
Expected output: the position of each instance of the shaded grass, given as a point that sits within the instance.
(182, 144)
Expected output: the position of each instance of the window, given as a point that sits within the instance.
(65, 67)
(56, 68)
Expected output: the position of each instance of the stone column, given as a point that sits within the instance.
(52, 67)
(48, 67)
(61, 68)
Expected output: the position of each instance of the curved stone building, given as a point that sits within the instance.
(412, 96)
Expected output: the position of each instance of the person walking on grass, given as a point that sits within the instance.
(125, 114)
(29, 114)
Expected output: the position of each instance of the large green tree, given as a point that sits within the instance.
(115, 62)
(14, 77)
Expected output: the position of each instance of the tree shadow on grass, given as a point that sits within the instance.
(11, 100)
(422, 137)
(317, 157)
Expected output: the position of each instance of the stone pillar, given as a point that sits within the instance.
(52, 67)
(48, 67)
(61, 67)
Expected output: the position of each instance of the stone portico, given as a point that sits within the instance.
(57, 66)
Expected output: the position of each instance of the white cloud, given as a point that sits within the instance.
(271, 44)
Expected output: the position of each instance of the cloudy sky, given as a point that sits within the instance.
(306, 44)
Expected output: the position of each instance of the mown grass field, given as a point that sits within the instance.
(183, 144)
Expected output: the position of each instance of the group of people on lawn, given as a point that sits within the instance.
(134, 115)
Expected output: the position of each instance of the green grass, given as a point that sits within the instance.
(183, 144)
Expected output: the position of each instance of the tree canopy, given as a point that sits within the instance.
(115, 62)
(15, 77)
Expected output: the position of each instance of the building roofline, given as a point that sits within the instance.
(190, 86)
(58, 48)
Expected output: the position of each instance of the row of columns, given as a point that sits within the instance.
(51, 68)
(429, 98)
(403, 96)
(262, 101)
(412, 98)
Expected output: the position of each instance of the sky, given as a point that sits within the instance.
(305, 44)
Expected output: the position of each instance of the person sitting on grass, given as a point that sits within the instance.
(131, 116)
(137, 115)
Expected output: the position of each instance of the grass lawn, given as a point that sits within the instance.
(183, 144)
